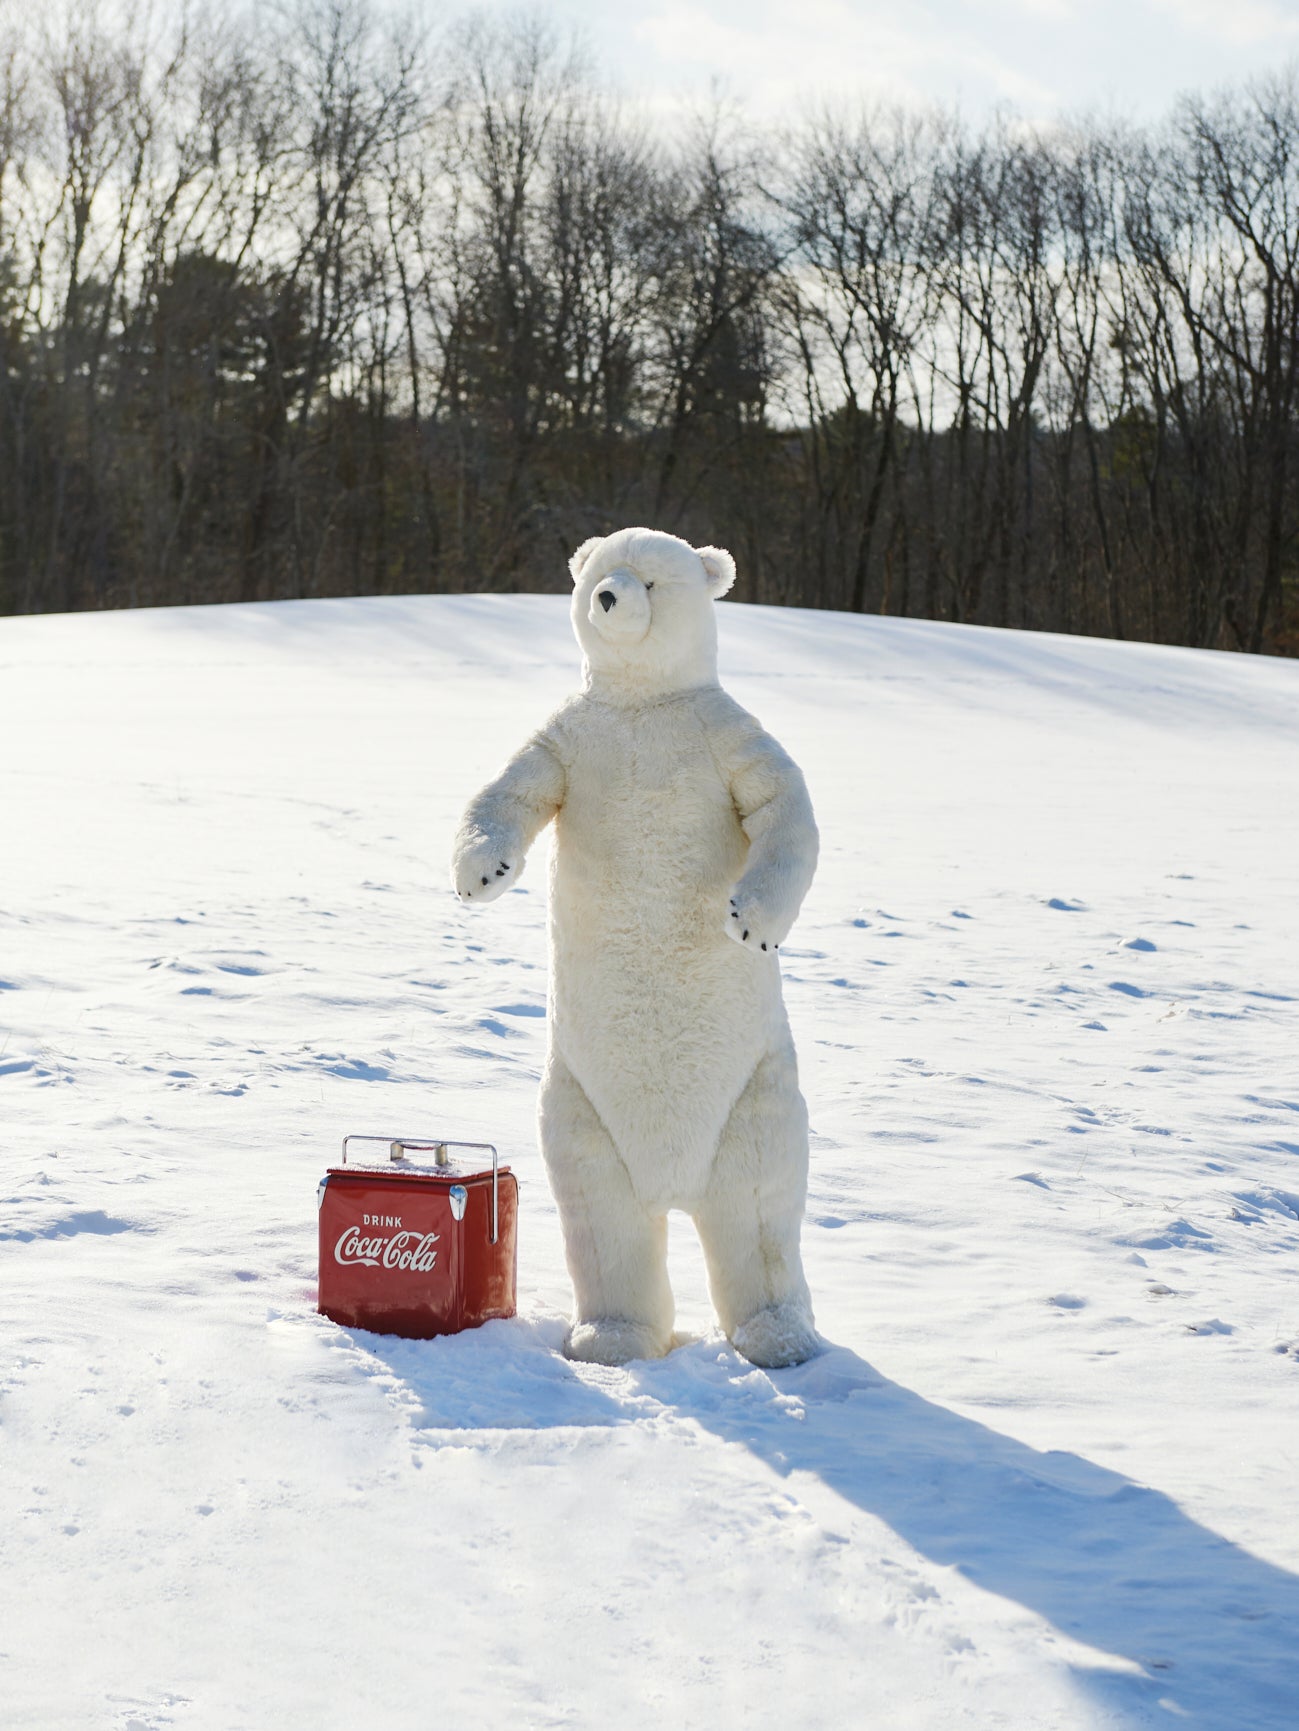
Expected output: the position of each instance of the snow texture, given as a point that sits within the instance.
(1044, 991)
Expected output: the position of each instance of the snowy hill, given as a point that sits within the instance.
(1046, 994)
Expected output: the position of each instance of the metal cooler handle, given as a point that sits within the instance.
(398, 1145)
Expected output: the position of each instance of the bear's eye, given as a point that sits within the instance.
(648, 587)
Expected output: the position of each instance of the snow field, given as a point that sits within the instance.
(1045, 996)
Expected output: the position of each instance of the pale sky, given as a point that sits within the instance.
(1046, 57)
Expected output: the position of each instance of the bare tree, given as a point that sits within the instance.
(303, 301)
(859, 204)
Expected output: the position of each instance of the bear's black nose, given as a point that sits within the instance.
(607, 599)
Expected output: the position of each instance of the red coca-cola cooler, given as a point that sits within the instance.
(414, 1242)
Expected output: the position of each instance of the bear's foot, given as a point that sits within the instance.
(612, 1341)
(777, 1337)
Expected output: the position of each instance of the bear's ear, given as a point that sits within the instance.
(719, 568)
(583, 553)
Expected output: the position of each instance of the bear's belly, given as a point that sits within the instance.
(658, 1014)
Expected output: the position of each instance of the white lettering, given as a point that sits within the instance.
(408, 1252)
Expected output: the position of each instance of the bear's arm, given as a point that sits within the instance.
(775, 812)
(502, 822)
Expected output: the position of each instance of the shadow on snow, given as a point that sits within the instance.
(1207, 1627)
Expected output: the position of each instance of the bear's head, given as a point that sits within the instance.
(643, 613)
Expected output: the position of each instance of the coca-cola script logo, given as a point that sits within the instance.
(410, 1252)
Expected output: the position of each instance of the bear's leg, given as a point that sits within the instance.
(616, 1249)
(750, 1218)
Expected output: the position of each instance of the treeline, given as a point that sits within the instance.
(302, 303)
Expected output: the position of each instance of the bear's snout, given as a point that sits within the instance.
(619, 608)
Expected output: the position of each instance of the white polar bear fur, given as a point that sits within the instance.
(684, 846)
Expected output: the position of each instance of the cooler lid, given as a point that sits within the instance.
(407, 1172)
(429, 1155)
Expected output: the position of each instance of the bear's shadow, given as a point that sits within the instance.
(1202, 1628)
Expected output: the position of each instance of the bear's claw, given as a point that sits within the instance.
(742, 932)
(481, 874)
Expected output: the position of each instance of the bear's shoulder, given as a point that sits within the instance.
(720, 713)
(749, 760)
(731, 731)
(560, 732)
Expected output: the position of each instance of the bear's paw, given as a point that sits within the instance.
(483, 872)
(610, 1340)
(750, 928)
(778, 1337)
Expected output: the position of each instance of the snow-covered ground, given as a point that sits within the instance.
(1046, 994)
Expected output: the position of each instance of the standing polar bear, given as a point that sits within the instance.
(684, 845)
